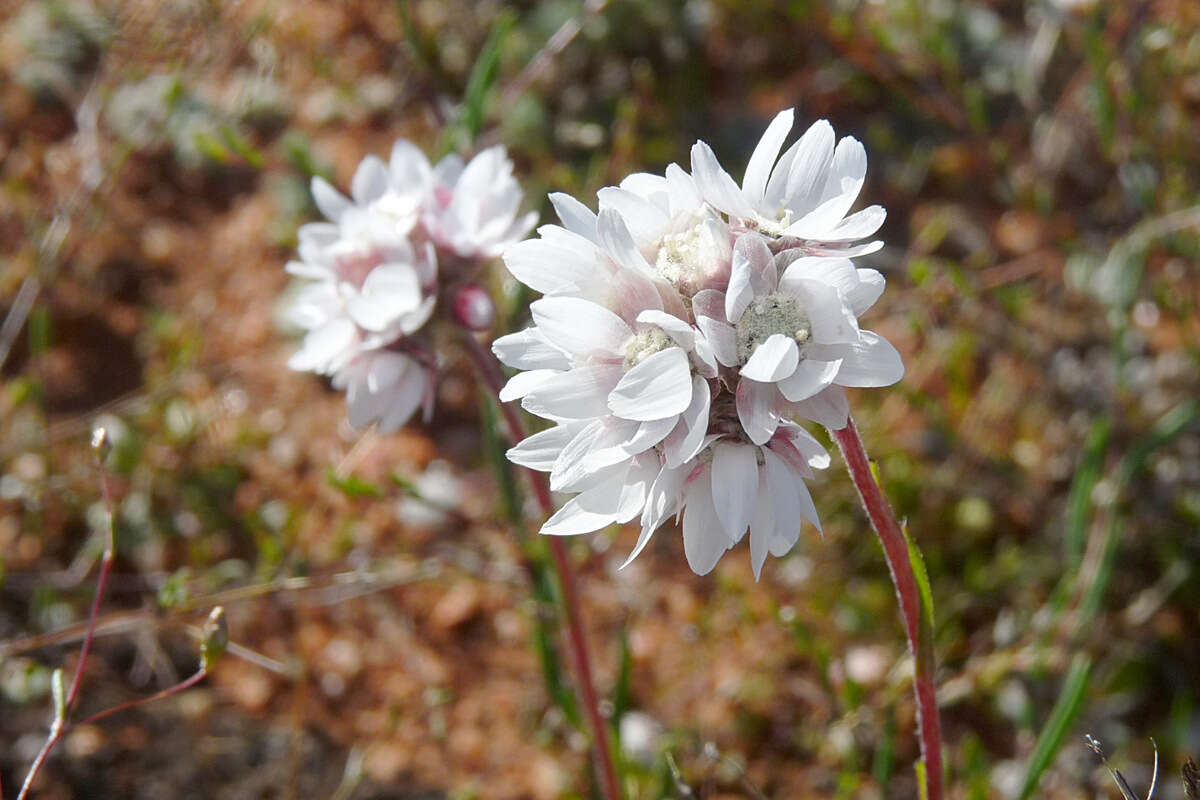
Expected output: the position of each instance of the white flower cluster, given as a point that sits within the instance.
(685, 328)
(373, 270)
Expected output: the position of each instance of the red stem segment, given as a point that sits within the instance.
(489, 369)
(895, 548)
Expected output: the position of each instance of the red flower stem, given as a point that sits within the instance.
(59, 726)
(895, 549)
(489, 370)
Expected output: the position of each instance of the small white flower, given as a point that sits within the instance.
(793, 337)
(368, 288)
(804, 195)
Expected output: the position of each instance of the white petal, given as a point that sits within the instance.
(386, 369)
(762, 525)
(574, 518)
(408, 167)
(528, 349)
(831, 319)
(680, 332)
(704, 540)
(618, 242)
(755, 404)
(758, 171)
(773, 360)
(871, 362)
(579, 327)
(867, 291)
(734, 486)
(810, 377)
(837, 272)
(829, 407)
(858, 225)
(681, 189)
(400, 403)
(789, 487)
(722, 338)
(662, 500)
(540, 450)
(846, 175)
(847, 172)
(648, 434)
(645, 185)
(739, 293)
(329, 200)
(523, 383)
(388, 293)
(842, 250)
(715, 184)
(577, 394)
(325, 346)
(549, 268)
(801, 172)
(687, 439)
(645, 221)
(575, 216)
(658, 387)
(592, 452)
(370, 180)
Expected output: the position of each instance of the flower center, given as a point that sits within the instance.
(644, 344)
(766, 316)
(773, 227)
(690, 259)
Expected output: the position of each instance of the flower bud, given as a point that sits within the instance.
(473, 308)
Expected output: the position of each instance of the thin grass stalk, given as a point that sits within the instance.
(896, 552)
(489, 370)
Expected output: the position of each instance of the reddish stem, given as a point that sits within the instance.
(59, 726)
(489, 370)
(895, 548)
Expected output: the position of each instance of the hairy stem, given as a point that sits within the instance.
(489, 370)
(896, 551)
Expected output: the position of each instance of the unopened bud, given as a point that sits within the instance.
(216, 638)
(473, 308)
(101, 441)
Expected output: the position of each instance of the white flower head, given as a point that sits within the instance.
(373, 270)
(685, 326)
(803, 195)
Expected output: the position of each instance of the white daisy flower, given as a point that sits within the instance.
(793, 336)
(804, 195)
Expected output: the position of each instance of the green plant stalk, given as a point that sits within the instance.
(912, 590)
(489, 371)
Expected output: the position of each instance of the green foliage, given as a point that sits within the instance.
(1059, 724)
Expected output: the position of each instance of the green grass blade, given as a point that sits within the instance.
(1066, 709)
(482, 78)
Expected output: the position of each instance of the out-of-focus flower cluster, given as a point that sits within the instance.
(375, 269)
(685, 328)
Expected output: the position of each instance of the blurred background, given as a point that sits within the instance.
(393, 631)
